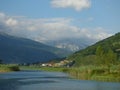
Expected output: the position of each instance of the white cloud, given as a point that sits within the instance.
(48, 29)
(11, 22)
(78, 5)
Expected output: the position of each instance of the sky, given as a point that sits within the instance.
(44, 20)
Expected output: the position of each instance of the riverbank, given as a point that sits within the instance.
(98, 73)
(43, 80)
(8, 68)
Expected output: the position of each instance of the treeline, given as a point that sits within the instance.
(105, 52)
(106, 56)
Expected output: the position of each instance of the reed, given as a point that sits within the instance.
(101, 73)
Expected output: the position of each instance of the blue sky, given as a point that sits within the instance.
(96, 19)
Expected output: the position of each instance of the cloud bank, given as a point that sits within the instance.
(48, 29)
(78, 5)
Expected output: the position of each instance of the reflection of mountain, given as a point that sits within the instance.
(70, 44)
(20, 50)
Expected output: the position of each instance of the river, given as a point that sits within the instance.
(40, 80)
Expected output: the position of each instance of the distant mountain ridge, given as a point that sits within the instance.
(71, 44)
(108, 48)
(20, 50)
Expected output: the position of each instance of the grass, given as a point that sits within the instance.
(100, 73)
(8, 67)
(50, 69)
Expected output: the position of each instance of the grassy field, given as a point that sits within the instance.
(99, 73)
(8, 67)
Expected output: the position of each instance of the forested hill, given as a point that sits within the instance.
(20, 50)
(105, 52)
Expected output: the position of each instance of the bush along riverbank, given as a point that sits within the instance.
(9, 67)
(102, 73)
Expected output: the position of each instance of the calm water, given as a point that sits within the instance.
(38, 80)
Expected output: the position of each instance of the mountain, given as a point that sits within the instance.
(71, 44)
(20, 50)
(106, 51)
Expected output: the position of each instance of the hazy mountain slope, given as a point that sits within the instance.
(71, 44)
(107, 48)
(20, 50)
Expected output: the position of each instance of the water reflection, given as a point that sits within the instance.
(8, 84)
(15, 80)
(34, 80)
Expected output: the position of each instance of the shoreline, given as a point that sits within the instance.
(81, 73)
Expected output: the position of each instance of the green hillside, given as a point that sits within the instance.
(105, 52)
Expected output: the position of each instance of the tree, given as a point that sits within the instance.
(105, 56)
(100, 55)
(111, 57)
